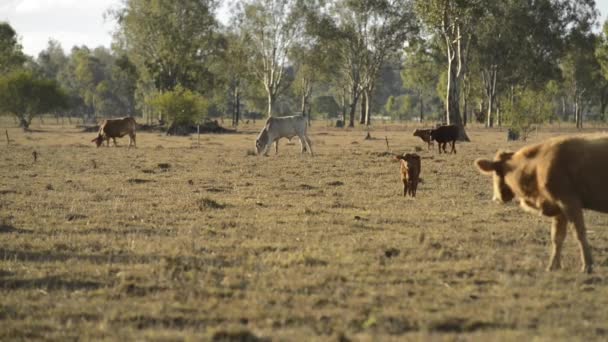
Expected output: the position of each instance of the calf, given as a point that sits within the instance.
(283, 127)
(444, 134)
(425, 135)
(557, 178)
(410, 172)
(116, 128)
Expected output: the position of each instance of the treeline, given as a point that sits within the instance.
(506, 62)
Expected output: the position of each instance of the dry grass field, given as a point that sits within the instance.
(172, 241)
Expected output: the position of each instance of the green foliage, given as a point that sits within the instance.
(529, 109)
(325, 106)
(25, 96)
(180, 106)
(170, 42)
(11, 56)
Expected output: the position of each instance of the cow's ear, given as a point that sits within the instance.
(485, 165)
(397, 157)
(94, 140)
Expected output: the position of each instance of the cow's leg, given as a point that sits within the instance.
(107, 141)
(404, 188)
(558, 235)
(309, 144)
(276, 146)
(302, 144)
(575, 215)
(439, 147)
(132, 139)
(268, 145)
(114, 140)
(453, 146)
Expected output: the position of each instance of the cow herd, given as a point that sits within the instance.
(557, 178)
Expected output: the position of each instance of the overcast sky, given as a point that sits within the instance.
(78, 22)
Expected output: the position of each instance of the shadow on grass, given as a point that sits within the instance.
(50, 256)
(49, 283)
(8, 229)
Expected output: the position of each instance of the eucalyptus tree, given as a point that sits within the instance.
(455, 21)
(421, 71)
(236, 70)
(369, 32)
(170, 42)
(581, 72)
(272, 27)
(521, 43)
(25, 96)
(52, 59)
(601, 53)
(11, 54)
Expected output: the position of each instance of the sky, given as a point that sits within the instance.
(79, 22)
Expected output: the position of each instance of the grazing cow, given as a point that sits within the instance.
(116, 128)
(425, 135)
(558, 178)
(283, 127)
(410, 172)
(445, 134)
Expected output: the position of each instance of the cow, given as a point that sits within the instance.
(276, 128)
(425, 135)
(116, 128)
(557, 178)
(445, 134)
(410, 172)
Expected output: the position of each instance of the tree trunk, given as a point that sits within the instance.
(237, 114)
(344, 108)
(421, 105)
(270, 104)
(368, 114)
(353, 109)
(453, 96)
(362, 109)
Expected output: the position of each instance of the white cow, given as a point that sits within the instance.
(283, 127)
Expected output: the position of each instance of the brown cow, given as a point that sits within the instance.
(558, 178)
(116, 128)
(425, 135)
(410, 172)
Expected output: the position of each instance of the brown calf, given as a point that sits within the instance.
(558, 178)
(425, 135)
(410, 172)
(116, 128)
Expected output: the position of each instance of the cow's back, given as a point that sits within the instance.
(445, 133)
(118, 127)
(568, 167)
(587, 164)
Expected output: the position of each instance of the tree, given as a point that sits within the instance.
(52, 59)
(455, 22)
(11, 55)
(170, 42)
(272, 26)
(25, 96)
(521, 43)
(581, 72)
(181, 106)
(368, 32)
(420, 72)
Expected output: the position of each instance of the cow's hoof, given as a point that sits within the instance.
(588, 269)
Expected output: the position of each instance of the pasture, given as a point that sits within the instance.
(175, 241)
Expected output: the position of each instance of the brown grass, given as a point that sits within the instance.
(172, 241)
